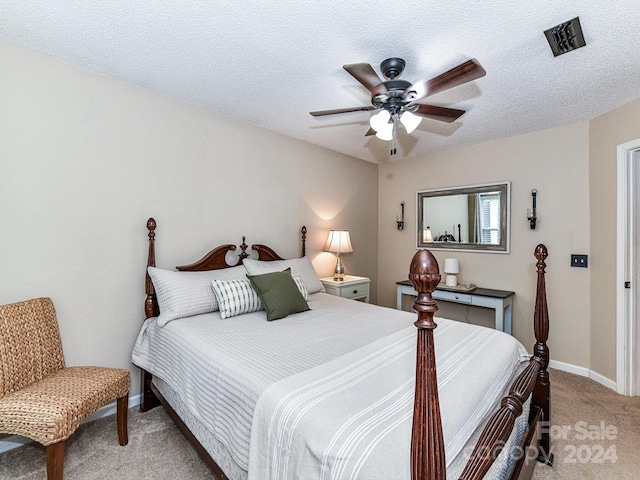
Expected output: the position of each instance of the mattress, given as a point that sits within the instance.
(219, 371)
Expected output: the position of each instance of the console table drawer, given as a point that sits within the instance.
(452, 296)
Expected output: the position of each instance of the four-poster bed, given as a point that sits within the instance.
(525, 381)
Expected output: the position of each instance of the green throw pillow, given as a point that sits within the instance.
(279, 294)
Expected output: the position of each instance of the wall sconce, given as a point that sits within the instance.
(400, 218)
(451, 268)
(427, 237)
(531, 212)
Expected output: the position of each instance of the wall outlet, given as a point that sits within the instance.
(579, 260)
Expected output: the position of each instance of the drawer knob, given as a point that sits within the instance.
(355, 291)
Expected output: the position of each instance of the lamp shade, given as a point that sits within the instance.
(383, 125)
(338, 242)
(380, 120)
(426, 235)
(451, 266)
(410, 121)
(386, 133)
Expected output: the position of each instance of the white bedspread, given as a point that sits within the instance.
(221, 368)
(351, 418)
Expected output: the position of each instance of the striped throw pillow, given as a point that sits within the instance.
(235, 297)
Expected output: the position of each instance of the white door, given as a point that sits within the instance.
(628, 269)
(635, 281)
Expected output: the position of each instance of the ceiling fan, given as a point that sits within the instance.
(397, 99)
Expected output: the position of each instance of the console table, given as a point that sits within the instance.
(499, 300)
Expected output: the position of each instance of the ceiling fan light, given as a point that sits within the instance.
(410, 121)
(386, 133)
(385, 136)
(380, 120)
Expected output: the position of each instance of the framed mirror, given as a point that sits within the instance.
(473, 218)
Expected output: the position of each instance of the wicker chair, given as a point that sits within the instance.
(42, 399)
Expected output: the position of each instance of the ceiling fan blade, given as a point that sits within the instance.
(342, 110)
(463, 73)
(370, 132)
(434, 112)
(366, 75)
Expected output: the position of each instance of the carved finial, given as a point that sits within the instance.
(541, 253)
(151, 226)
(425, 276)
(424, 263)
(243, 247)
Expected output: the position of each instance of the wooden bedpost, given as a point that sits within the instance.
(149, 400)
(427, 443)
(303, 237)
(534, 381)
(542, 393)
(150, 305)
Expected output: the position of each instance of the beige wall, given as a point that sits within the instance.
(86, 159)
(556, 163)
(606, 133)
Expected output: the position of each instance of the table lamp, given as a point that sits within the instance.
(451, 268)
(338, 243)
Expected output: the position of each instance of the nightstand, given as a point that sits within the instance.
(355, 288)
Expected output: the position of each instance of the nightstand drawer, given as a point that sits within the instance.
(355, 291)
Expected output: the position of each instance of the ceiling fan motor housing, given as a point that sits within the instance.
(392, 67)
(395, 94)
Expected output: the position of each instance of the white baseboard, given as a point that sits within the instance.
(602, 380)
(583, 372)
(16, 441)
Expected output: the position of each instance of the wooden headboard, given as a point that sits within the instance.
(214, 260)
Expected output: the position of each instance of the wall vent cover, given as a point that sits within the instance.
(565, 37)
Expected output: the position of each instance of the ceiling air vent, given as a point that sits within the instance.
(565, 37)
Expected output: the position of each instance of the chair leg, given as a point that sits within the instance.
(55, 460)
(122, 406)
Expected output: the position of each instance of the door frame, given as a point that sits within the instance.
(626, 298)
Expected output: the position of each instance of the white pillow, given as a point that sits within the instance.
(301, 266)
(183, 294)
(236, 297)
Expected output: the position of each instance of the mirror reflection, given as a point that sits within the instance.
(464, 218)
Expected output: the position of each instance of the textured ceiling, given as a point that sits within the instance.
(271, 62)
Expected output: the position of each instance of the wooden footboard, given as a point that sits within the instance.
(427, 445)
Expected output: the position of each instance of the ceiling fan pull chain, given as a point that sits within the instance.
(393, 138)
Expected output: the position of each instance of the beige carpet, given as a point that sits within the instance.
(158, 451)
(596, 432)
(93, 453)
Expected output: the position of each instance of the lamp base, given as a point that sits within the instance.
(338, 275)
(451, 281)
